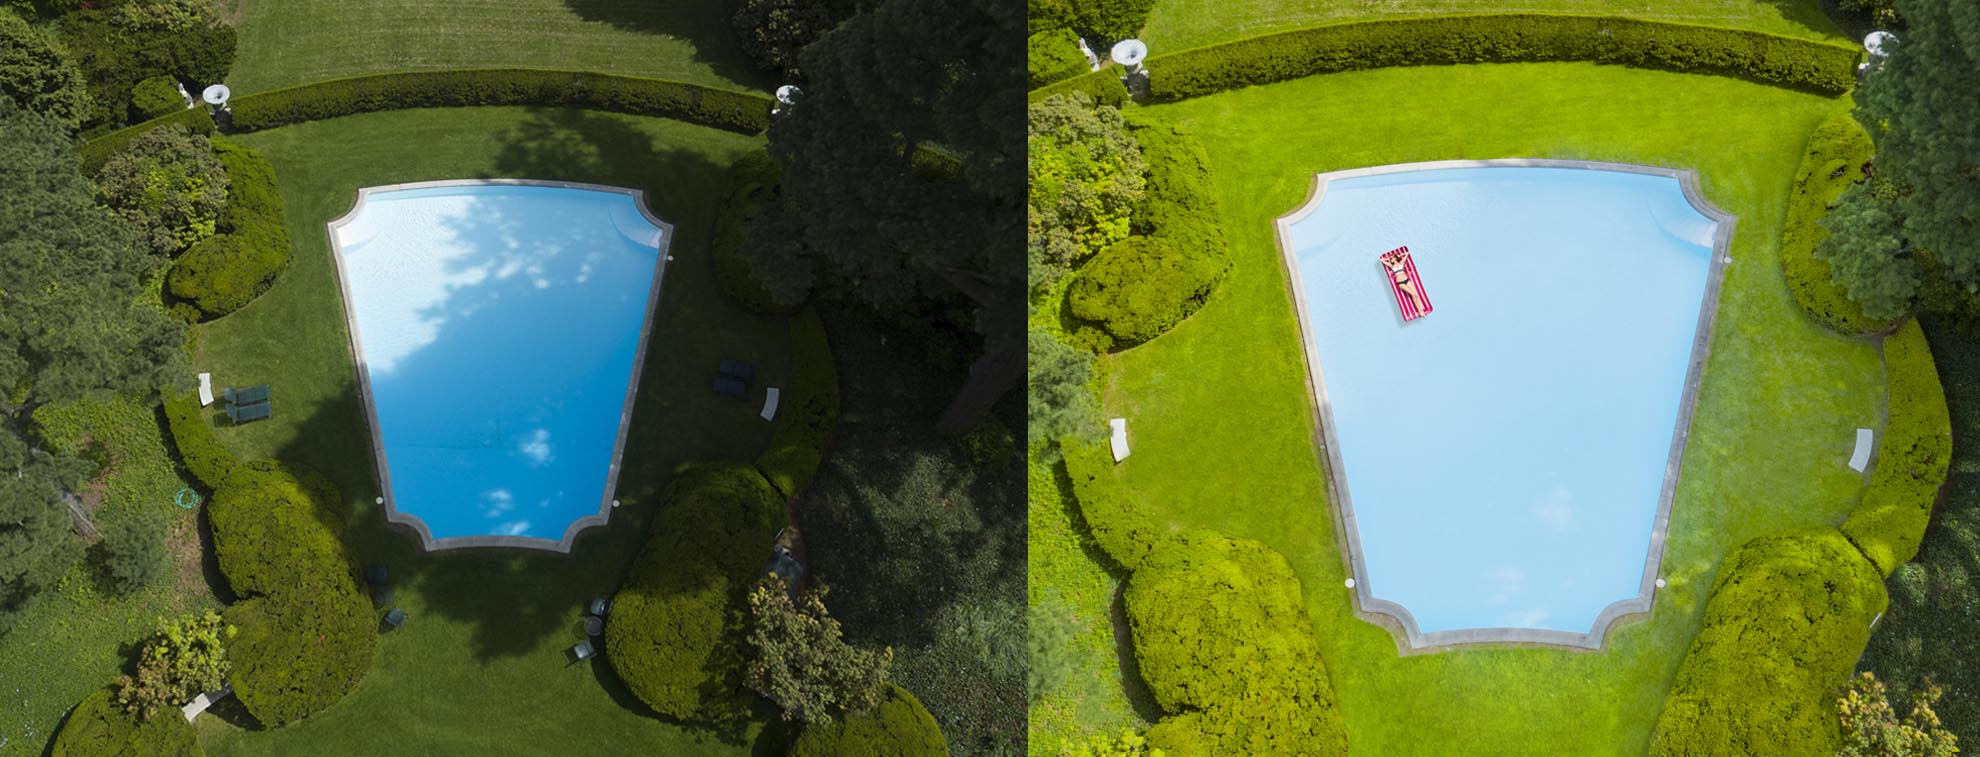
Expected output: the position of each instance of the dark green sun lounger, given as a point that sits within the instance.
(249, 396)
(244, 413)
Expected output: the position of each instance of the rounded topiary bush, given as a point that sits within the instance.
(1912, 456)
(226, 272)
(1053, 55)
(753, 183)
(199, 448)
(154, 97)
(300, 651)
(675, 634)
(98, 727)
(1837, 152)
(898, 727)
(1117, 523)
(1141, 287)
(269, 533)
(1224, 643)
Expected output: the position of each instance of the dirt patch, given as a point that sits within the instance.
(187, 548)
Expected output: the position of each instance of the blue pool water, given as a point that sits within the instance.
(498, 326)
(1506, 453)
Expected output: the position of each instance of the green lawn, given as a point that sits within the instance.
(1224, 427)
(1183, 24)
(480, 668)
(287, 42)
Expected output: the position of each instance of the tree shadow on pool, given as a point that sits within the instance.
(703, 24)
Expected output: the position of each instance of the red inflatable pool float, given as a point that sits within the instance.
(1403, 282)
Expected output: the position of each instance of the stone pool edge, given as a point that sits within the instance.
(1393, 616)
(418, 526)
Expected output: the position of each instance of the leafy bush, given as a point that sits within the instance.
(1837, 151)
(98, 727)
(773, 32)
(98, 150)
(134, 550)
(186, 658)
(798, 659)
(1119, 525)
(199, 448)
(1871, 728)
(675, 632)
(1104, 86)
(1142, 287)
(1911, 458)
(898, 727)
(39, 74)
(1883, 13)
(743, 112)
(1788, 616)
(1053, 55)
(226, 272)
(808, 410)
(1086, 177)
(1058, 380)
(1828, 68)
(169, 184)
(154, 97)
(121, 44)
(271, 534)
(1110, 19)
(753, 181)
(1222, 636)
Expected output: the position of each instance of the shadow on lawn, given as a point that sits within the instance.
(703, 24)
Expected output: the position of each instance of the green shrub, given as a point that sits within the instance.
(676, 631)
(1053, 55)
(898, 727)
(97, 727)
(120, 44)
(1788, 617)
(154, 97)
(1104, 86)
(199, 448)
(1110, 19)
(1828, 68)
(97, 151)
(226, 272)
(134, 550)
(1911, 458)
(1119, 525)
(185, 658)
(1143, 286)
(298, 653)
(169, 185)
(743, 112)
(37, 73)
(1838, 144)
(799, 659)
(271, 533)
(753, 183)
(1224, 643)
(808, 410)
(1086, 180)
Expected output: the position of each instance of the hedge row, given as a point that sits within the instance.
(753, 183)
(225, 272)
(675, 632)
(1225, 645)
(1051, 56)
(1837, 152)
(1911, 459)
(1117, 522)
(735, 111)
(1103, 85)
(1788, 617)
(1504, 38)
(898, 727)
(808, 410)
(99, 727)
(97, 151)
(199, 448)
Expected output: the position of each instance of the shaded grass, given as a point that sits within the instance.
(1182, 24)
(1225, 428)
(287, 42)
(481, 666)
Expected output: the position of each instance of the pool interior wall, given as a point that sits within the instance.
(1504, 465)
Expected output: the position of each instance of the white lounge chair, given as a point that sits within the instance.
(199, 703)
(770, 404)
(1120, 438)
(205, 389)
(1860, 459)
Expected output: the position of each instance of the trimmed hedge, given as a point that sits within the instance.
(96, 152)
(98, 727)
(294, 657)
(1104, 86)
(225, 272)
(675, 635)
(156, 96)
(743, 112)
(272, 534)
(1838, 144)
(1119, 525)
(808, 410)
(1828, 68)
(1225, 645)
(753, 183)
(898, 727)
(199, 448)
(1788, 617)
(1911, 458)
(1052, 55)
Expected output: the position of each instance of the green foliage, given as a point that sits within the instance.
(226, 272)
(753, 180)
(1051, 56)
(1871, 728)
(774, 32)
(184, 659)
(38, 74)
(1867, 254)
(134, 550)
(1144, 286)
(1912, 457)
(36, 547)
(154, 97)
(1883, 13)
(807, 411)
(1110, 20)
(121, 44)
(169, 185)
(98, 150)
(1104, 86)
(1086, 178)
(798, 659)
(1119, 525)
(1837, 152)
(746, 113)
(271, 535)
(676, 628)
(1127, 743)
(1222, 636)
(1788, 616)
(1823, 67)
(199, 447)
(898, 727)
(1061, 398)
(98, 727)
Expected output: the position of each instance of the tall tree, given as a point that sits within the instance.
(37, 74)
(904, 176)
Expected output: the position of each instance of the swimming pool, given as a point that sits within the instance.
(499, 326)
(1504, 466)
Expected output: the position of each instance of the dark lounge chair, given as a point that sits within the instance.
(250, 396)
(395, 618)
(240, 414)
(583, 651)
(730, 387)
(737, 369)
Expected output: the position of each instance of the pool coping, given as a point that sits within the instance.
(1393, 616)
(392, 513)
